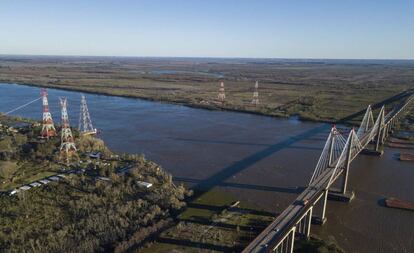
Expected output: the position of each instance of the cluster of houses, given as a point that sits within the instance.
(38, 183)
(58, 177)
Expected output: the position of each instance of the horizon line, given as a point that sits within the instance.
(206, 57)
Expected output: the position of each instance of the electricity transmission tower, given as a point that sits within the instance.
(255, 100)
(67, 146)
(85, 122)
(48, 129)
(222, 93)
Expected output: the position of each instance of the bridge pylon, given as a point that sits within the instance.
(351, 149)
(366, 123)
(331, 151)
(380, 129)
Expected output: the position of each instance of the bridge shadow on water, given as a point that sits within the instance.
(244, 143)
(294, 190)
(219, 178)
(220, 142)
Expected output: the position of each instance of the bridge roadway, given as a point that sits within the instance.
(281, 228)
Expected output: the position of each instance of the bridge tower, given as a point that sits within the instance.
(85, 122)
(48, 128)
(352, 148)
(222, 93)
(255, 100)
(380, 128)
(67, 146)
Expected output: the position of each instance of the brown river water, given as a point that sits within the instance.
(261, 160)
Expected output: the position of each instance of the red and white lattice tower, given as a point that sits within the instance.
(255, 100)
(222, 93)
(67, 146)
(48, 129)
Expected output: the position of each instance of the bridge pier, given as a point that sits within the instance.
(322, 219)
(303, 227)
(338, 195)
(291, 242)
(308, 219)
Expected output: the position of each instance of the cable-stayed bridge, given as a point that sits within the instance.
(334, 163)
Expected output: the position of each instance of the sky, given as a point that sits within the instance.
(345, 29)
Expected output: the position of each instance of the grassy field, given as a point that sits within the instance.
(314, 90)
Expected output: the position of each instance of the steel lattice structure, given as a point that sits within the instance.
(255, 100)
(48, 128)
(222, 92)
(85, 122)
(67, 146)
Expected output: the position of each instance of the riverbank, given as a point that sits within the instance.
(312, 91)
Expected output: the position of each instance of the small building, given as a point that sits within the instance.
(15, 191)
(44, 181)
(95, 155)
(25, 188)
(61, 176)
(54, 178)
(103, 179)
(35, 184)
(144, 184)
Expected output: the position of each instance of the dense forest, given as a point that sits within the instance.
(86, 215)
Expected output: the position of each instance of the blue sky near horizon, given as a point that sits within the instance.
(349, 29)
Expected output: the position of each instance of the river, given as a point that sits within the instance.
(262, 160)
